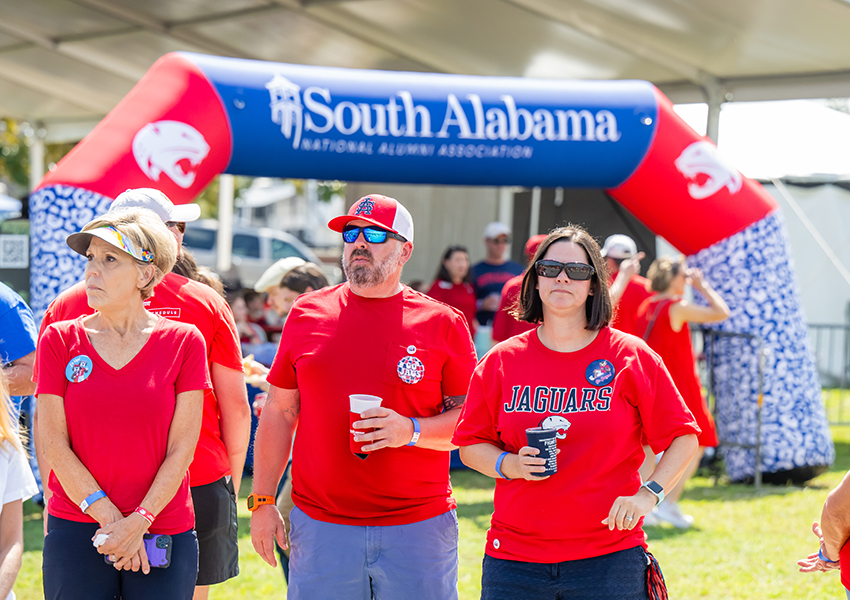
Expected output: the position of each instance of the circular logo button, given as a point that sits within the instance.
(600, 372)
(411, 349)
(410, 369)
(496, 544)
(78, 368)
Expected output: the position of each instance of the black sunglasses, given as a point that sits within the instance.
(373, 235)
(181, 227)
(575, 271)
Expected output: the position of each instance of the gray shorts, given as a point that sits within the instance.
(393, 562)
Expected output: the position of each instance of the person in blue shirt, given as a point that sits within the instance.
(489, 275)
(18, 334)
(488, 278)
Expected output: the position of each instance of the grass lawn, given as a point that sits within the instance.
(744, 545)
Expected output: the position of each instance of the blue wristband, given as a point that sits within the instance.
(824, 558)
(91, 499)
(499, 465)
(415, 437)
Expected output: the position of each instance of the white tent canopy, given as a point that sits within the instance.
(65, 63)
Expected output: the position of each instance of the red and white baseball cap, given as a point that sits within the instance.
(382, 211)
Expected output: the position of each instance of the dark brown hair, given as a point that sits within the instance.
(598, 307)
(304, 276)
(443, 272)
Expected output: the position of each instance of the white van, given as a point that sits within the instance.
(255, 249)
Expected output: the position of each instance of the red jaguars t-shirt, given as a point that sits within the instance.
(600, 399)
(179, 299)
(409, 350)
(118, 419)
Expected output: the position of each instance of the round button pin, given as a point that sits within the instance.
(411, 349)
(78, 368)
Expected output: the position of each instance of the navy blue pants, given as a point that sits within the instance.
(73, 569)
(616, 576)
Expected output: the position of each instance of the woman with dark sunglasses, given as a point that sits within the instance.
(576, 533)
(663, 320)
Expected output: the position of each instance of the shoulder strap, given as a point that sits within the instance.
(655, 313)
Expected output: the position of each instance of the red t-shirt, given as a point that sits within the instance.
(459, 295)
(506, 325)
(625, 313)
(187, 301)
(600, 398)
(118, 420)
(336, 343)
(677, 352)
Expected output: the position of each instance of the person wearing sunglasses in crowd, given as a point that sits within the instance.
(119, 424)
(216, 469)
(662, 320)
(489, 277)
(384, 519)
(576, 533)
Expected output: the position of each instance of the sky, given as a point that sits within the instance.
(774, 139)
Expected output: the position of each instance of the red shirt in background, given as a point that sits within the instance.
(459, 295)
(337, 343)
(677, 351)
(506, 325)
(601, 399)
(625, 313)
(187, 301)
(118, 419)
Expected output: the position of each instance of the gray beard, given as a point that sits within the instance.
(367, 276)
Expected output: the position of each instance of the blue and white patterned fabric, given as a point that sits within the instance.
(753, 271)
(55, 213)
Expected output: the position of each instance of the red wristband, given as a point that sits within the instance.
(148, 515)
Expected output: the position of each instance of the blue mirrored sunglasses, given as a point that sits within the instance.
(373, 235)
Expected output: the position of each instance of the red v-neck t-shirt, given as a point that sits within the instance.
(186, 301)
(118, 419)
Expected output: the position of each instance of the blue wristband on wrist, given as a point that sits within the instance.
(91, 499)
(499, 465)
(824, 558)
(416, 430)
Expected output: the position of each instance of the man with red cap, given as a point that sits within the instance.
(505, 325)
(379, 525)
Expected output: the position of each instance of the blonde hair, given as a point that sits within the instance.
(10, 430)
(662, 272)
(146, 230)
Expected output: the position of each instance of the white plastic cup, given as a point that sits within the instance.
(359, 403)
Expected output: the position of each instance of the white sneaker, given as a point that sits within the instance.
(670, 512)
(651, 520)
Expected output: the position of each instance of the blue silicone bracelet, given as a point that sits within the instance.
(499, 465)
(416, 430)
(91, 499)
(824, 558)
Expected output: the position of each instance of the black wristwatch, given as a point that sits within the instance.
(656, 489)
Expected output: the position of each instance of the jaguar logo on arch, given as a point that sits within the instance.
(172, 148)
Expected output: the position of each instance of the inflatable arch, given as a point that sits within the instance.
(193, 116)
